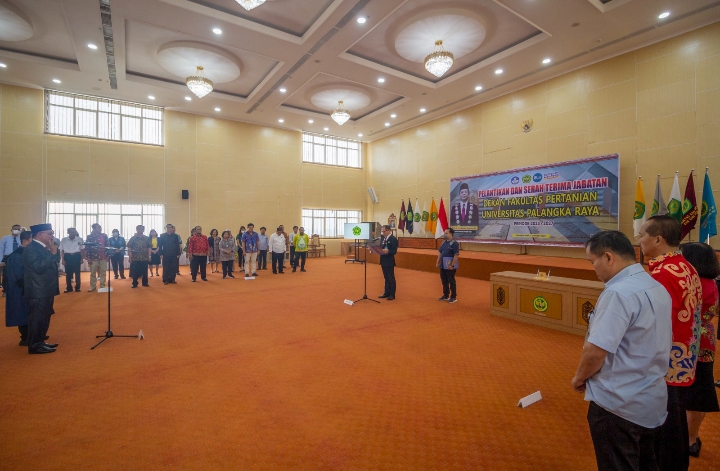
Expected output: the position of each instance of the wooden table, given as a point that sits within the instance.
(559, 303)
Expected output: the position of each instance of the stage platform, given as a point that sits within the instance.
(479, 265)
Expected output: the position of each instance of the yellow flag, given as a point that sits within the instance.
(432, 220)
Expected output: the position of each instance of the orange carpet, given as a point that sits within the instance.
(277, 373)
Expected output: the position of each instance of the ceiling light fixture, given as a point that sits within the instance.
(217, 109)
(478, 88)
(340, 116)
(498, 71)
(282, 90)
(387, 124)
(150, 97)
(281, 120)
(439, 61)
(381, 80)
(393, 115)
(361, 20)
(188, 98)
(326, 129)
(422, 110)
(250, 4)
(664, 15)
(198, 83)
(310, 121)
(360, 135)
(92, 46)
(547, 60)
(3, 65)
(217, 31)
(56, 81)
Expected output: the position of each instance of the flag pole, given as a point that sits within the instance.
(690, 233)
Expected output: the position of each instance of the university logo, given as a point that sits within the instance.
(674, 206)
(356, 231)
(687, 206)
(403, 215)
(410, 216)
(704, 209)
(540, 304)
(417, 217)
(527, 178)
(515, 180)
(537, 177)
(433, 217)
(639, 210)
(655, 207)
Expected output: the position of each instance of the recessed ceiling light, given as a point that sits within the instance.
(381, 80)
(92, 46)
(478, 88)
(664, 15)
(547, 60)
(56, 81)
(387, 124)
(393, 115)
(217, 109)
(217, 31)
(310, 121)
(361, 20)
(188, 98)
(326, 129)
(281, 120)
(422, 110)
(282, 90)
(150, 97)
(360, 135)
(2, 65)
(498, 71)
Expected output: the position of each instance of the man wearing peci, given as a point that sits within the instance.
(389, 247)
(625, 357)
(464, 213)
(40, 282)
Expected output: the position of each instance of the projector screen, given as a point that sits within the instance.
(357, 230)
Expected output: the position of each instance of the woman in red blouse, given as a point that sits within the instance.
(702, 397)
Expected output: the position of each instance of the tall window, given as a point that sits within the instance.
(320, 149)
(328, 222)
(101, 118)
(124, 217)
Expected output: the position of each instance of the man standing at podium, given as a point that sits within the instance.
(389, 247)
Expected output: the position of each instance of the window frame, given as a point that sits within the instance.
(148, 211)
(325, 218)
(325, 145)
(97, 111)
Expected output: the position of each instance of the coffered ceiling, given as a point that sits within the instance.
(293, 60)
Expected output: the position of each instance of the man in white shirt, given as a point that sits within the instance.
(71, 257)
(277, 245)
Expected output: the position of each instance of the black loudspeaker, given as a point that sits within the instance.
(186, 194)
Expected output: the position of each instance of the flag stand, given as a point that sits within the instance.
(365, 296)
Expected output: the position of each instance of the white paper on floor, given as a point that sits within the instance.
(104, 290)
(348, 302)
(141, 335)
(531, 399)
(249, 277)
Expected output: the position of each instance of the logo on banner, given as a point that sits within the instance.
(537, 177)
(515, 180)
(540, 304)
(356, 231)
(527, 178)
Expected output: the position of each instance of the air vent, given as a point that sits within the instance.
(606, 5)
(106, 19)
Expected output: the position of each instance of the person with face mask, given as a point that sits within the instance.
(8, 245)
(301, 241)
(117, 257)
(71, 257)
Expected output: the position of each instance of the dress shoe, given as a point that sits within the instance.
(302, 269)
(122, 277)
(443, 298)
(383, 296)
(23, 343)
(146, 286)
(390, 298)
(40, 350)
(50, 345)
(695, 448)
(77, 290)
(231, 276)
(452, 300)
(116, 277)
(165, 282)
(68, 291)
(91, 290)
(204, 279)
(134, 286)
(254, 274)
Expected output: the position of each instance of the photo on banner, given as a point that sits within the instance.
(559, 204)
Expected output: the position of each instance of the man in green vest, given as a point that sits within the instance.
(301, 242)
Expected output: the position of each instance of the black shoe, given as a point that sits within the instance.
(302, 269)
(77, 290)
(193, 281)
(50, 345)
(40, 350)
(122, 277)
(116, 277)
(274, 273)
(443, 298)
(452, 300)
(224, 276)
(695, 448)
(231, 276)
(254, 274)
(204, 279)
(23, 343)
(165, 282)
(390, 298)
(146, 286)
(383, 296)
(69, 290)
(134, 285)
(281, 272)
(293, 270)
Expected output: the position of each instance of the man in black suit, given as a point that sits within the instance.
(41, 286)
(464, 213)
(170, 248)
(387, 262)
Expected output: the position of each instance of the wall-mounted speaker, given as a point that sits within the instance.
(185, 194)
(373, 195)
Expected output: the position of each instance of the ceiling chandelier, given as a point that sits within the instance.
(340, 116)
(439, 61)
(199, 84)
(250, 4)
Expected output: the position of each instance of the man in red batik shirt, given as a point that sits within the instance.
(660, 241)
(198, 250)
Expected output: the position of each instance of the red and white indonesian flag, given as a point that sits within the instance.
(442, 221)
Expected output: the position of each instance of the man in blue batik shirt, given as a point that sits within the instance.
(625, 357)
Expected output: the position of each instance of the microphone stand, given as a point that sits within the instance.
(109, 333)
(364, 262)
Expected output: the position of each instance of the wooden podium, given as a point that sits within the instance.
(559, 303)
